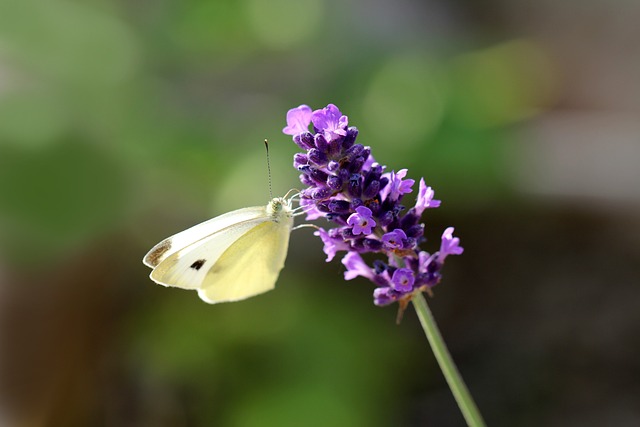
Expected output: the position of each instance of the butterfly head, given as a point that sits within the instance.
(280, 207)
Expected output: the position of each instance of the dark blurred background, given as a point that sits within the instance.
(123, 122)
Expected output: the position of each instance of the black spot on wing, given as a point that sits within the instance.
(198, 264)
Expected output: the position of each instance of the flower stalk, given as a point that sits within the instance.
(449, 370)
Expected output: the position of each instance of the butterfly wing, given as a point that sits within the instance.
(249, 266)
(177, 242)
(186, 266)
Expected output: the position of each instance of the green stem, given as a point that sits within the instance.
(456, 384)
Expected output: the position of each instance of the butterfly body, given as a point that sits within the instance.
(227, 258)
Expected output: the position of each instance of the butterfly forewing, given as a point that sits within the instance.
(173, 244)
(187, 267)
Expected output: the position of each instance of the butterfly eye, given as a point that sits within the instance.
(276, 205)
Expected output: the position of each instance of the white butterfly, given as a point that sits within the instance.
(230, 257)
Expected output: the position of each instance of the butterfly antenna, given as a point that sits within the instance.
(266, 146)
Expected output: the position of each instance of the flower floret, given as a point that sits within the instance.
(403, 280)
(298, 120)
(331, 244)
(425, 198)
(330, 122)
(397, 186)
(394, 239)
(450, 245)
(356, 267)
(361, 221)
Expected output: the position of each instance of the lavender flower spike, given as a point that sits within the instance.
(346, 186)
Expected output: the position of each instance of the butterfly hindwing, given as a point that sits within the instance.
(250, 266)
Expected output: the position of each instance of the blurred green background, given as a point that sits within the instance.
(123, 122)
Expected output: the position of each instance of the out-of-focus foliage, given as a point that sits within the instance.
(124, 122)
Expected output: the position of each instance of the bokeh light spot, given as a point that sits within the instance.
(281, 24)
(503, 84)
(405, 101)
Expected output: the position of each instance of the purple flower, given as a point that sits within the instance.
(330, 122)
(402, 280)
(361, 221)
(356, 267)
(450, 245)
(397, 186)
(346, 186)
(331, 244)
(310, 208)
(385, 296)
(425, 198)
(394, 239)
(424, 259)
(369, 163)
(298, 120)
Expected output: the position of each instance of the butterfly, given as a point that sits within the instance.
(230, 257)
